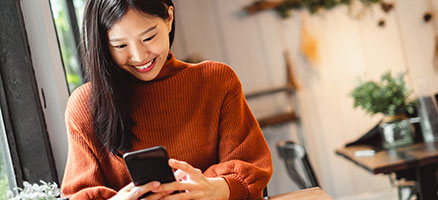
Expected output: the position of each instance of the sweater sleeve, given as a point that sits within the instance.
(82, 177)
(244, 157)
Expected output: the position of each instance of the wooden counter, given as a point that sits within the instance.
(307, 194)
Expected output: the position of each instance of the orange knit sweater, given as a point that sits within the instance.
(197, 111)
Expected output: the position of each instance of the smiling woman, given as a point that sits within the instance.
(139, 96)
(139, 43)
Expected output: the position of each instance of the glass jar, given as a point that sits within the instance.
(396, 133)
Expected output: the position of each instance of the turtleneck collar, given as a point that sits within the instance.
(170, 68)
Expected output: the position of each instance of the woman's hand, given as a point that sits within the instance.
(131, 192)
(194, 183)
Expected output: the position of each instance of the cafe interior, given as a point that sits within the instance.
(345, 91)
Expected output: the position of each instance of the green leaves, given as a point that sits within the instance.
(389, 96)
(313, 5)
(369, 2)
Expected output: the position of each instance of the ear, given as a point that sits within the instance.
(170, 19)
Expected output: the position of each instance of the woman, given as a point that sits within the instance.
(140, 96)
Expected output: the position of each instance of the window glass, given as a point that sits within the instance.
(79, 7)
(5, 163)
(66, 40)
(4, 185)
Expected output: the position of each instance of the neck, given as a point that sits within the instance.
(170, 68)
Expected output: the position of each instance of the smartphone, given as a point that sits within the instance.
(148, 165)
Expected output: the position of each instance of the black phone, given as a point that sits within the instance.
(148, 165)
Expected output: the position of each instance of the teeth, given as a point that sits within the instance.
(145, 66)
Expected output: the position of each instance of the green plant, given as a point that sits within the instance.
(313, 6)
(45, 191)
(390, 96)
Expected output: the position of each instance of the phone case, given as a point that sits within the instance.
(148, 165)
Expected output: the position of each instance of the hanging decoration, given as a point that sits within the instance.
(282, 7)
(386, 7)
(309, 43)
(427, 17)
(381, 22)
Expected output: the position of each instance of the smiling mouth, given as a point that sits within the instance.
(146, 67)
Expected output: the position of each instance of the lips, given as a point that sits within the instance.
(146, 67)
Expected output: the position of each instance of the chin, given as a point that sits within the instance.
(147, 77)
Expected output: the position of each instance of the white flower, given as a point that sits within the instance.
(45, 191)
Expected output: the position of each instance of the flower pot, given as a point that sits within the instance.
(396, 132)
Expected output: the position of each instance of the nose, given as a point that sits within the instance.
(138, 53)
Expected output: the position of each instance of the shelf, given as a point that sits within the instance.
(278, 119)
(288, 89)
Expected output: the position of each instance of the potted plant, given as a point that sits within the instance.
(45, 191)
(390, 97)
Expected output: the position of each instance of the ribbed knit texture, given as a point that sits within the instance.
(197, 111)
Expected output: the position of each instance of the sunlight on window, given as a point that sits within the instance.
(4, 186)
(66, 40)
(5, 163)
(79, 7)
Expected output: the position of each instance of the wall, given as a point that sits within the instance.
(349, 45)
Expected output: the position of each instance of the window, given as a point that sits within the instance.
(24, 143)
(67, 28)
(79, 7)
(4, 185)
(5, 163)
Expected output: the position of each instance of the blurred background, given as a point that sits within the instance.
(298, 62)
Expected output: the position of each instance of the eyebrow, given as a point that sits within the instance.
(142, 33)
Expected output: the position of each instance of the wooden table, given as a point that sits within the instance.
(307, 194)
(422, 158)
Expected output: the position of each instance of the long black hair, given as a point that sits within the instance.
(109, 107)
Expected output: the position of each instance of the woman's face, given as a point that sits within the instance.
(139, 43)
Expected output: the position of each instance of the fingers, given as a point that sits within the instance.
(156, 196)
(185, 167)
(183, 195)
(128, 187)
(176, 186)
(136, 192)
(180, 175)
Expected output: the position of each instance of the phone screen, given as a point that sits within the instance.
(149, 165)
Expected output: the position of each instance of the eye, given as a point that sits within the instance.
(120, 46)
(149, 38)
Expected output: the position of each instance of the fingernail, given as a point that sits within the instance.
(155, 184)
